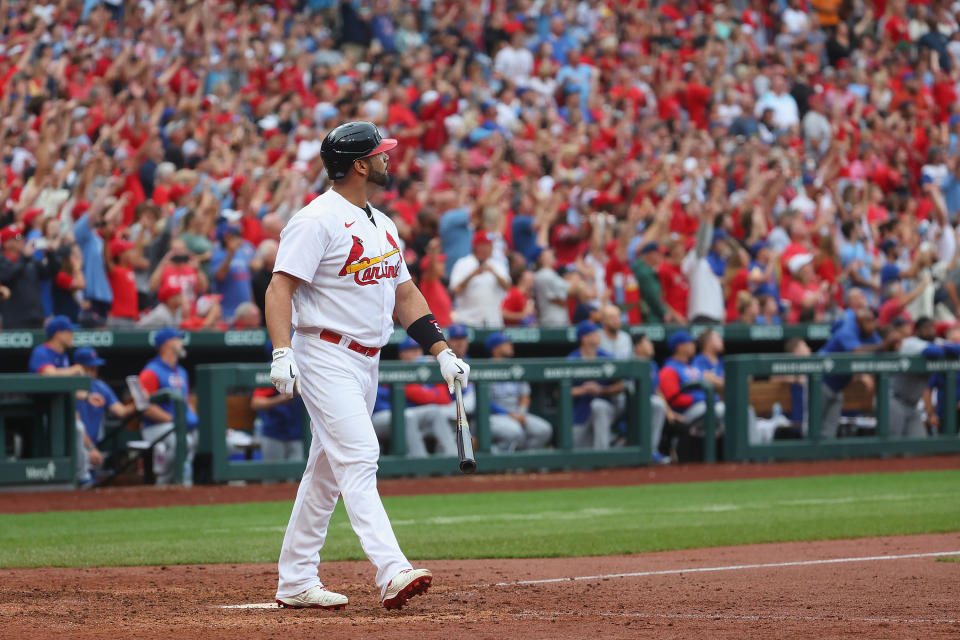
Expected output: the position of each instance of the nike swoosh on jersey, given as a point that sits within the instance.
(349, 224)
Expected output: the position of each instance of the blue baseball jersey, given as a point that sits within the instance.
(91, 416)
(581, 404)
(283, 421)
(703, 363)
(43, 356)
(383, 399)
(159, 375)
(846, 338)
(686, 373)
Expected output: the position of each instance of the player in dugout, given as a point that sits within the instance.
(165, 372)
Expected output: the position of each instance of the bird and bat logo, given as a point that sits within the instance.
(370, 270)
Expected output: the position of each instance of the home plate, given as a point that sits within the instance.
(251, 605)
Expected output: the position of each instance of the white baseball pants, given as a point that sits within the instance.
(339, 388)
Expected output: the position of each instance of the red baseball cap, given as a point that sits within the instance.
(119, 245)
(167, 291)
(480, 237)
(30, 215)
(80, 207)
(10, 232)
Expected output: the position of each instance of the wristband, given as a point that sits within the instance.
(425, 331)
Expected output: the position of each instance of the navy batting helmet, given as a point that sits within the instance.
(349, 142)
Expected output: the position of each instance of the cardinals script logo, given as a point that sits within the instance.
(369, 270)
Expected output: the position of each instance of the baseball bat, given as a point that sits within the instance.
(464, 441)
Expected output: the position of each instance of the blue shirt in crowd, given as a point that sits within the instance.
(235, 287)
(94, 270)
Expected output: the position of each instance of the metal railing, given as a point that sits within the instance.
(214, 382)
(739, 370)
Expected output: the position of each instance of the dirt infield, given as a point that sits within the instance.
(898, 598)
(141, 496)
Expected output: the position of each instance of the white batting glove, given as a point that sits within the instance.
(453, 368)
(284, 372)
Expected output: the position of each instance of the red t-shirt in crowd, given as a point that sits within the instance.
(183, 276)
(407, 210)
(515, 302)
(795, 292)
(891, 309)
(623, 285)
(124, 285)
(566, 244)
(438, 299)
(738, 283)
(674, 286)
(793, 249)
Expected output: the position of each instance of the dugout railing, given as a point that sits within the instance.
(38, 429)
(14, 341)
(742, 370)
(215, 381)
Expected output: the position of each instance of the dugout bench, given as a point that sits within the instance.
(748, 381)
(215, 384)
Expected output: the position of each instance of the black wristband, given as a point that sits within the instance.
(425, 331)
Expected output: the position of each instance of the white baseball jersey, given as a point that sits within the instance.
(351, 268)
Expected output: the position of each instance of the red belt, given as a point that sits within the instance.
(335, 338)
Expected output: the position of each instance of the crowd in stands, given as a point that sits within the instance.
(747, 161)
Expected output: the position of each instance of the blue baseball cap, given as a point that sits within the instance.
(678, 338)
(495, 339)
(650, 246)
(87, 356)
(586, 327)
(161, 337)
(457, 331)
(229, 228)
(60, 323)
(889, 273)
(408, 343)
(720, 234)
(888, 244)
(758, 246)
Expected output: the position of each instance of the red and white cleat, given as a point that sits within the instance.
(314, 598)
(405, 585)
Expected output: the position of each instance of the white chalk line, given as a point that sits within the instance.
(745, 617)
(733, 567)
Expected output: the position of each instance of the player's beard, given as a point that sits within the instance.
(379, 178)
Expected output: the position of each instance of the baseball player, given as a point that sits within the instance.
(339, 278)
(906, 390)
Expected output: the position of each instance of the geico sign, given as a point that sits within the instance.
(242, 338)
(16, 340)
(93, 339)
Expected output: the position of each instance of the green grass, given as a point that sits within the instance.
(572, 522)
(949, 559)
